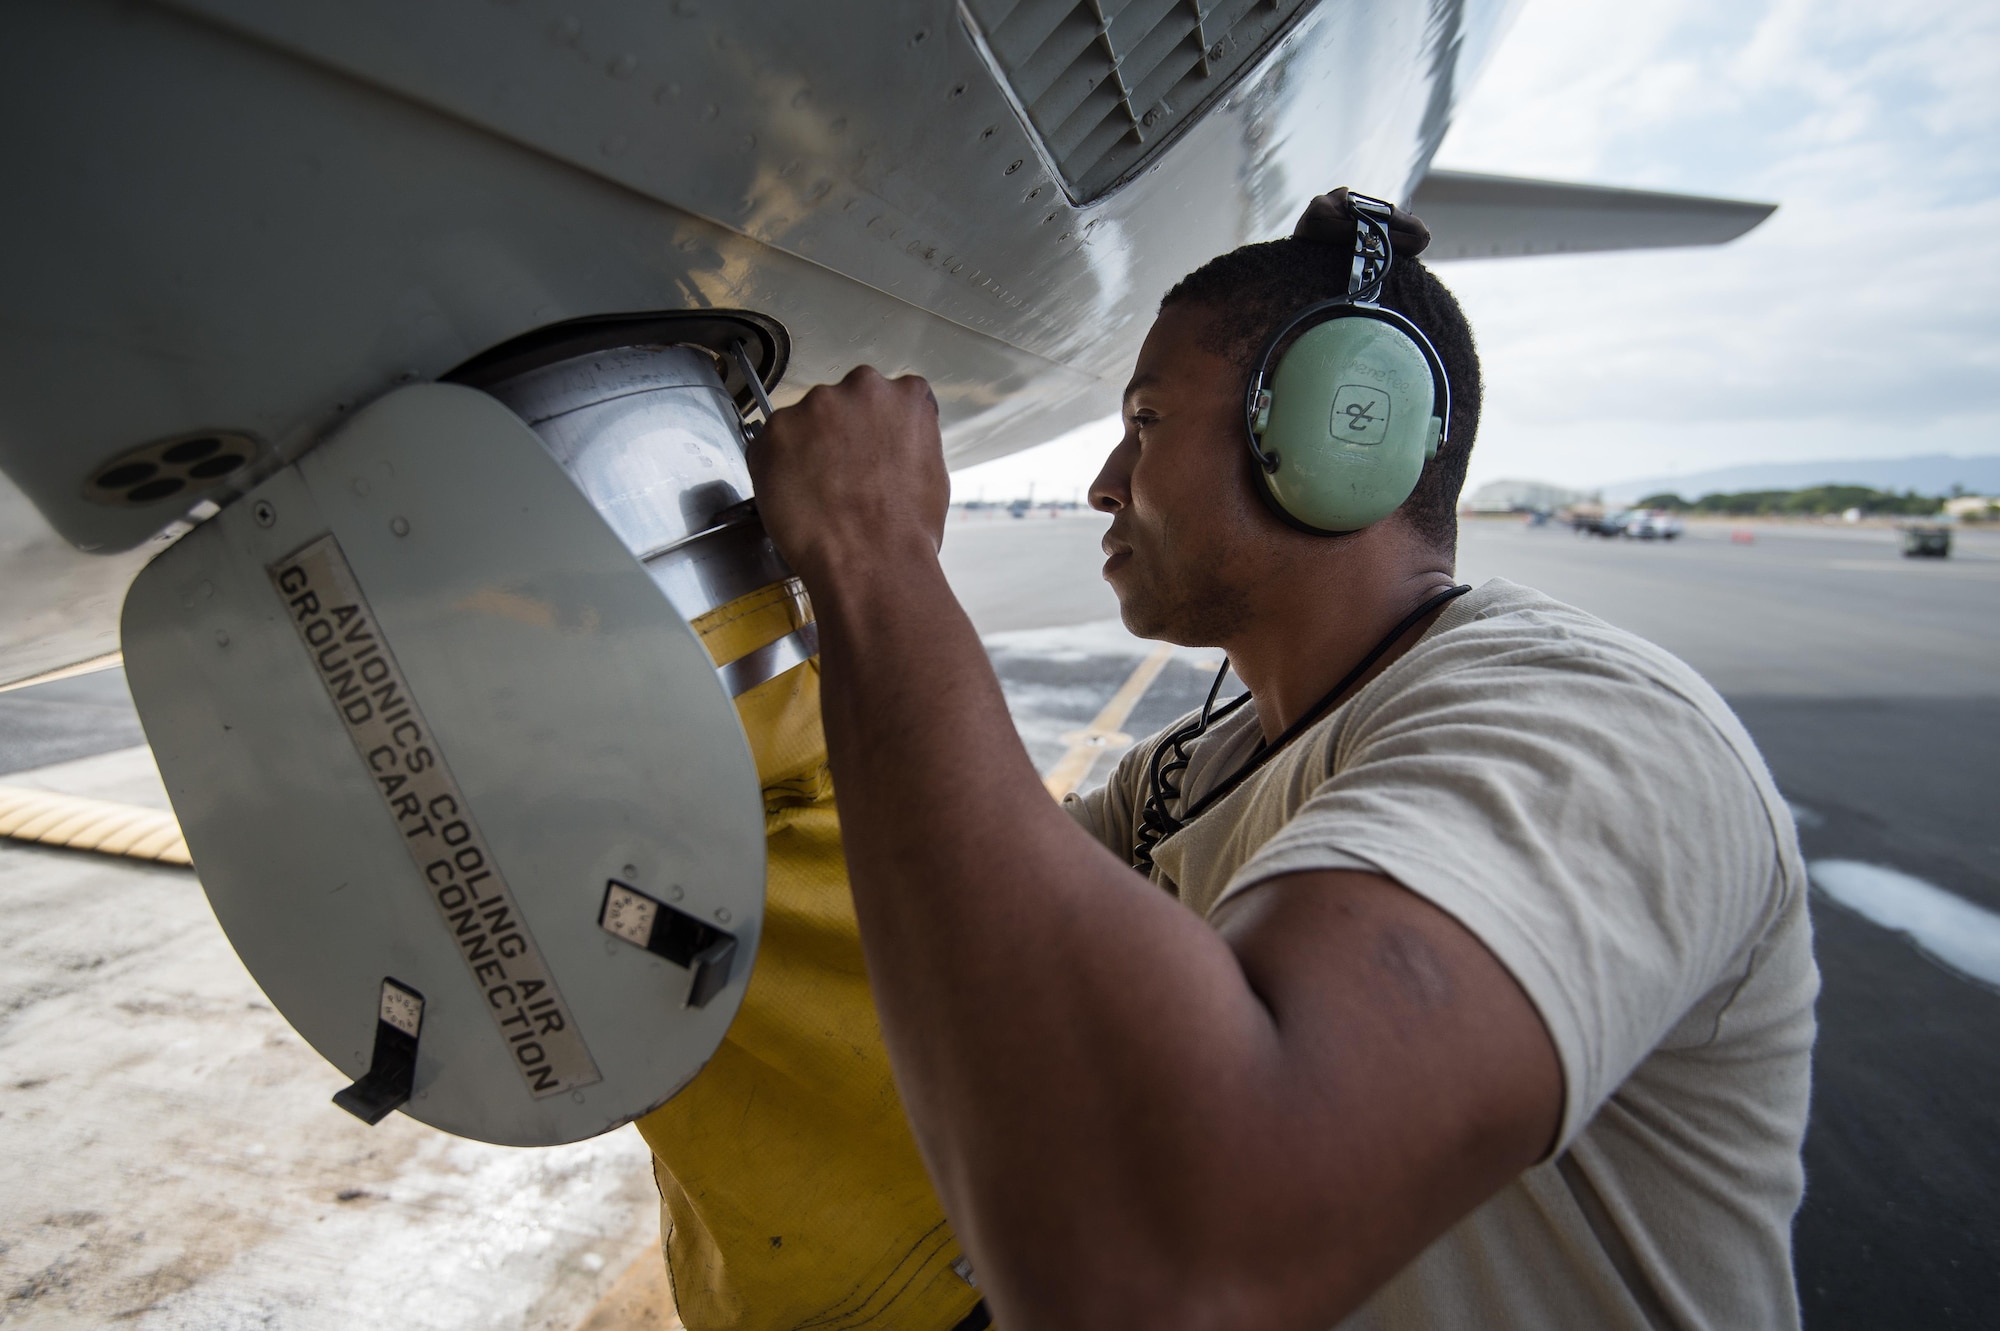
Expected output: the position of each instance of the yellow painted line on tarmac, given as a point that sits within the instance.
(1086, 744)
(90, 667)
(78, 823)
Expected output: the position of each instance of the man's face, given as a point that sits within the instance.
(1186, 526)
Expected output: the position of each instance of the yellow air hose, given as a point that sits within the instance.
(79, 823)
(791, 1191)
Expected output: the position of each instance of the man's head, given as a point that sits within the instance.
(1191, 542)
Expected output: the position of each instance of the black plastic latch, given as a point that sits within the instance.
(392, 1074)
(646, 922)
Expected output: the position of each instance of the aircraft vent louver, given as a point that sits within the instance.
(1107, 83)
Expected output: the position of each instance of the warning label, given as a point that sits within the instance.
(403, 758)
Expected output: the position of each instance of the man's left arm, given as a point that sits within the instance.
(1133, 1117)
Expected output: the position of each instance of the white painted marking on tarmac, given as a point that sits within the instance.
(1071, 642)
(1965, 937)
(1803, 816)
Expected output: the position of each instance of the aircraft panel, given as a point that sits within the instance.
(261, 218)
(237, 241)
(875, 140)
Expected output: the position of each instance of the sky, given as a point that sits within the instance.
(1861, 320)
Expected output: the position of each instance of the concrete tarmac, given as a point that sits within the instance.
(173, 1169)
(169, 1157)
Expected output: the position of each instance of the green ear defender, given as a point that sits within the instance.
(1342, 425)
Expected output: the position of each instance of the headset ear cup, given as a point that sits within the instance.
(1357, 407)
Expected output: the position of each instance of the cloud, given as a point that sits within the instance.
(1863, 318)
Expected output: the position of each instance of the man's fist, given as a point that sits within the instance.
(852, 473)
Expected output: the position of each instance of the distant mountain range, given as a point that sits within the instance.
(1931, 474)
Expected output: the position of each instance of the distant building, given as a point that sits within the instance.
(1523, 497)
(1973, 508)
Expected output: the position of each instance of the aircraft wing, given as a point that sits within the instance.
(1473, 216)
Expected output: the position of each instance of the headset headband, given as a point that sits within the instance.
(1373, 254)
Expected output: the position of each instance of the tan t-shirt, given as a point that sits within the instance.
(1588, 807)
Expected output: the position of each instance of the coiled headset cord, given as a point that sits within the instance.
(1170, 756)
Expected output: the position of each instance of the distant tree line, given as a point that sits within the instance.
(1815, 500)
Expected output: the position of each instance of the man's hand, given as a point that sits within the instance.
(854, 470)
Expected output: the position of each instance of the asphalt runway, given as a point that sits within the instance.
(65, 719)
(1870, 682)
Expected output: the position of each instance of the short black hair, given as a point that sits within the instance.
(1249, 292)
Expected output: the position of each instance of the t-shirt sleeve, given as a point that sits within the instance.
(1088, 808)
(1590, 823)
(1107, 812)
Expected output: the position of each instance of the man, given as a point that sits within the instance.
(1484, 999)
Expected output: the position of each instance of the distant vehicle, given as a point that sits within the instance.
(1652, 525)
(1926, 542)
(1019, 508)
(1599, 524)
